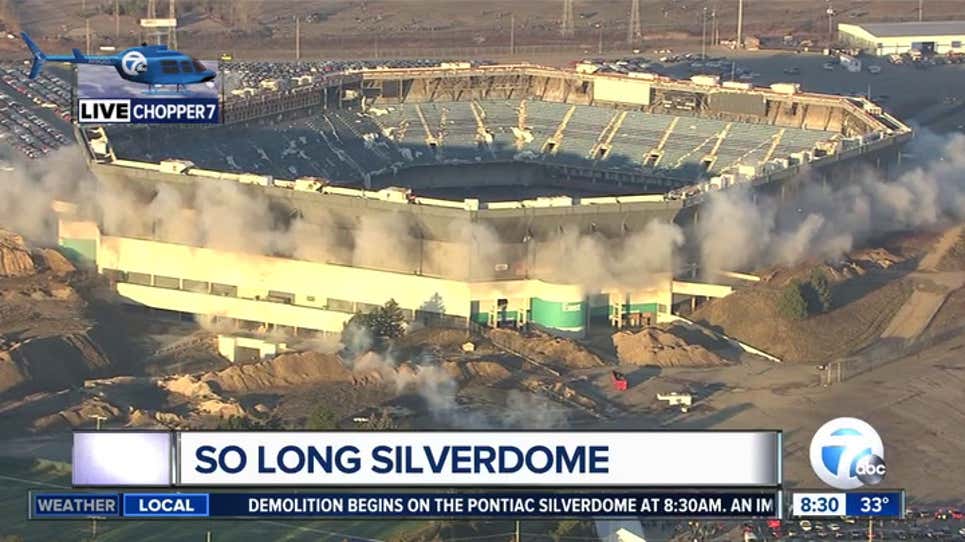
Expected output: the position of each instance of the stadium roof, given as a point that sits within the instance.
(932, 28)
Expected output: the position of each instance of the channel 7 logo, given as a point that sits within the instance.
(847, 453)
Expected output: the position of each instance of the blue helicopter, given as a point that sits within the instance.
(152, 65)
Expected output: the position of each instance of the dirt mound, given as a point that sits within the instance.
(860, 263)
(656, 346)
(187, 386)
(50, 362)
(15, 260)
(484, 371)
(555, 351)
(79, 414)
(863, 307)
(283, 371)
(56, 262)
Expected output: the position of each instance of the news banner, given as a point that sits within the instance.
(136, 475)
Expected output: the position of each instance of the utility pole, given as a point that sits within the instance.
(298, 38)
(517, 530)
(567, 25)
(633, 31)
(512, 33)
(152, 14)
(599, 45)
(830, 12)
(715, 31)
(740, 24)
(920, 10)
(117, 20)
(172, 30)
(703, 34)
(87, 35)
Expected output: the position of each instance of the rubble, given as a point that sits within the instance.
(15, 260)
(655, 346)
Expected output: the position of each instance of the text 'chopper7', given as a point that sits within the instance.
(152, 65)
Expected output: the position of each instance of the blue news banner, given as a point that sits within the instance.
(79, 505)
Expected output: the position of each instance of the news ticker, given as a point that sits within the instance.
(476, 505)
(475, 459)
(872, 504)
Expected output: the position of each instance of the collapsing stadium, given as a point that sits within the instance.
(429, 165)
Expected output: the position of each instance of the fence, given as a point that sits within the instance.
(883, 353)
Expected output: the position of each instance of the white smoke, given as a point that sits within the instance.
(439, 389)
(826, 220)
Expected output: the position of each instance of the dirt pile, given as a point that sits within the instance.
(482, 371)
(50, 362)
(546, 349)
(283, 371)
(81, 414)
(862, 307)
(656, 346)
(860, 263)
(15, 260)
(56, 262)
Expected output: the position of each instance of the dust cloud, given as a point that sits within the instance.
(736, 232)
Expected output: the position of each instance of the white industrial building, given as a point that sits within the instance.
(883, 39)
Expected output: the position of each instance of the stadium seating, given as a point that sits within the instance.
(347, 145)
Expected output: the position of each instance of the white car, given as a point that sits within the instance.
(805, 525)
(874, 69)
(828, 66)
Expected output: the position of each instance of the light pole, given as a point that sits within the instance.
(830, 12)
(703, 35)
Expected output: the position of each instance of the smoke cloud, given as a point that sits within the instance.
(439, 390)
(738, 229)
(736, 232)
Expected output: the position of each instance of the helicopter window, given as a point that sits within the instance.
(169, 66)
(199, 67)
(186, 66)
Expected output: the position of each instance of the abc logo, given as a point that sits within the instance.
(847, 453)
(133, 63)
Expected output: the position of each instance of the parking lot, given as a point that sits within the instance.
(257, 77)
(927, 93)
(34, 115)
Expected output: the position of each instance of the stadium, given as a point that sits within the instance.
(466, 193)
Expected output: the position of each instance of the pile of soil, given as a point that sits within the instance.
(285, 370)
(860, 263)
(15, 260)
(50, 362)
(80, 414)
(656, 346)
(555, 351)
(482, 371)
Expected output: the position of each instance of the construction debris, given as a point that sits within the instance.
(655, 346)
(15, 260)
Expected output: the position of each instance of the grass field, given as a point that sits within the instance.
(17, 477)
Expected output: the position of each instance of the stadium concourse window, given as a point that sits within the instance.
(114, 275)
(194, 286)
(280, 297)
(224, 290)
(144, 279)
(171, 283)
(366, 308)
(340, 305)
